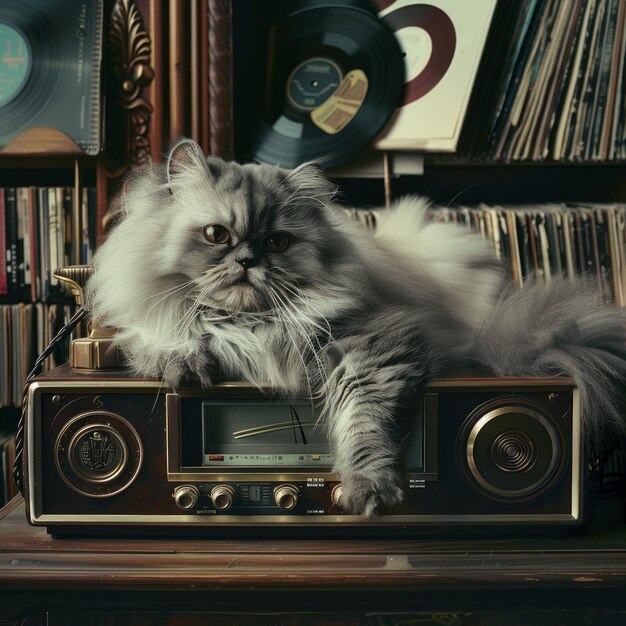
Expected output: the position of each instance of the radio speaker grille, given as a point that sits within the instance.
(511, 450)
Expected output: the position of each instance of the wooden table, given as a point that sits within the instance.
(82, 581)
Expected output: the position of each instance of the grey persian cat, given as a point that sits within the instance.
(219, 270)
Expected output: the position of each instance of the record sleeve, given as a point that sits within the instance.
(572, 95)
(442, 42)
(516, 85)
(607, 146)
(599, 102)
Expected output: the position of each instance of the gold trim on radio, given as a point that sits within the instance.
(300, 520)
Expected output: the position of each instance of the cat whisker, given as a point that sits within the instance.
(283, 321)
(211, 275)
(305, 317)
(286, 202)
(164, 293)
(187, 319)
(184, 323)
(306, 336)
(169, 293)
(299, 294)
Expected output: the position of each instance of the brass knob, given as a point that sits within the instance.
(286, 497)
(186, 497)
(335, 495)
(222, 497)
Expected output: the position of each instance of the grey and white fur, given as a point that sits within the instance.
(218, 270)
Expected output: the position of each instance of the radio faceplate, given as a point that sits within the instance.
(124, 452)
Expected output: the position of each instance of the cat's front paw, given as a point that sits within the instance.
(198, 368)
(366, 494)
(173, 374)
(193, 369)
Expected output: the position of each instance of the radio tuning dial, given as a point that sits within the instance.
(186, 497)
(222, 497)
(286, 497)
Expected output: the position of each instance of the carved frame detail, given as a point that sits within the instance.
(130, 56)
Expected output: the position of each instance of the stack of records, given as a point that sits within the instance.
(560, 93)
(546, 240)
(41, 229)
(25, 330)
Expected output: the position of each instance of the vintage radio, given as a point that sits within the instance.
(105, 452)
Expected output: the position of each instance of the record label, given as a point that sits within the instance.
(312, 82)
(337, 112)
(15, 63)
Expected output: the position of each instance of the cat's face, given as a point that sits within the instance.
(251, 237)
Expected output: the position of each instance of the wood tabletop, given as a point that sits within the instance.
(589, 569)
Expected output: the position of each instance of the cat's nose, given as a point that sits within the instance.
(247, 262)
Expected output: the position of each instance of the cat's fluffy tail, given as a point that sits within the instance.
(562, 327)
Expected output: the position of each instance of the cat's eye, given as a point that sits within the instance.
(215, 233)
(277, 242)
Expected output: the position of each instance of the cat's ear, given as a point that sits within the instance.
(187, 159)
(309, 177)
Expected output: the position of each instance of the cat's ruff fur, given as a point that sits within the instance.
(358, 320)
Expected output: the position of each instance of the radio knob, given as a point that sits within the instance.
(335, 495)
(286, 497)
(186, 497)
(222, 497)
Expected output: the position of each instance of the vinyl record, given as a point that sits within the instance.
(335, 78)
(50, 63)
(31, 64)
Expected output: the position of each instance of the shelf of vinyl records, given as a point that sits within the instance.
(41, 229)
(546, 240)
(560, 94)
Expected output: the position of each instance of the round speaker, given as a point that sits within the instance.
(98, 454)
(511, 450)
